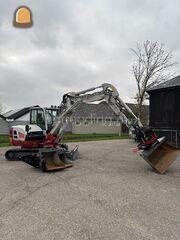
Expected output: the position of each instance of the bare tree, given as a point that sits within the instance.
(151, 67)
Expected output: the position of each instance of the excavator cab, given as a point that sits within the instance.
(41, 117)
(37, 149)
(40, 123)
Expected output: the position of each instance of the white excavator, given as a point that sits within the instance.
(39, 143)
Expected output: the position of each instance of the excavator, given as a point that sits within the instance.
(39, 143)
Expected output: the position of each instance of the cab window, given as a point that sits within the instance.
(37, 117)
(49, 119)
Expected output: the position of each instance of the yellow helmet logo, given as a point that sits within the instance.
(23, 17)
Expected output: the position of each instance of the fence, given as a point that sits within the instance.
(172, 136)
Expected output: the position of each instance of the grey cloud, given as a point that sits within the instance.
(78, 44)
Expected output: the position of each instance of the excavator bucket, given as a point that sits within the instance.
(161, 155)
(51, 160)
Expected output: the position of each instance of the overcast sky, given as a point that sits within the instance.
(76, 44)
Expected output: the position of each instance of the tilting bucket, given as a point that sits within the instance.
(161, 155)
(51, 160)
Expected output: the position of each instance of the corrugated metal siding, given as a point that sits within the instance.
(165, 114)
(4, 127)
(164, 109)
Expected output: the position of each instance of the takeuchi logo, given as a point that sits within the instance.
(23, 17)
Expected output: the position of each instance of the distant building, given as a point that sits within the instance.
(165, 109)
(95, 118)
(12, 118)
(144, 113)
(100, 118)
(4, 126)
(88, 118)
(18, 117)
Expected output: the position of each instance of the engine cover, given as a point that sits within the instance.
(19, 136)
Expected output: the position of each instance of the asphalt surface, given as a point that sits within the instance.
(110, 193)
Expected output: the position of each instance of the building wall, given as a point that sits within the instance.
(165, 114)
(164, 109)
(18, 122)
(68, 128)
(4, 127)
(95, 128)
(25, 117)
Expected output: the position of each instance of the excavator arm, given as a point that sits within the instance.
(105, 92)
(155, 151)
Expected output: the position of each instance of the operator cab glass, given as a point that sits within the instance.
(53, 112)
(49, 119)
(41, 118)
(37, 117)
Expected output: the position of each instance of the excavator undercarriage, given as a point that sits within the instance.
(47, 159)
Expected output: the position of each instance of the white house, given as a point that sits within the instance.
(95, 118)
(12, 118)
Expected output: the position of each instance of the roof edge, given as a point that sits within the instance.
(1, 116)
(171, 83)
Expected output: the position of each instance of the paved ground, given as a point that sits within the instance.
(110, 194)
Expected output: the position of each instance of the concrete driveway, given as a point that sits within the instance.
(110, 193)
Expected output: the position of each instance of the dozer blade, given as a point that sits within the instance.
(161, 155)
(72, 154)
(52, 160)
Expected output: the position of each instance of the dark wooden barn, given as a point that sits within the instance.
(165, 109)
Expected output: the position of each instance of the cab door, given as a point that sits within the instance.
(37, 117)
